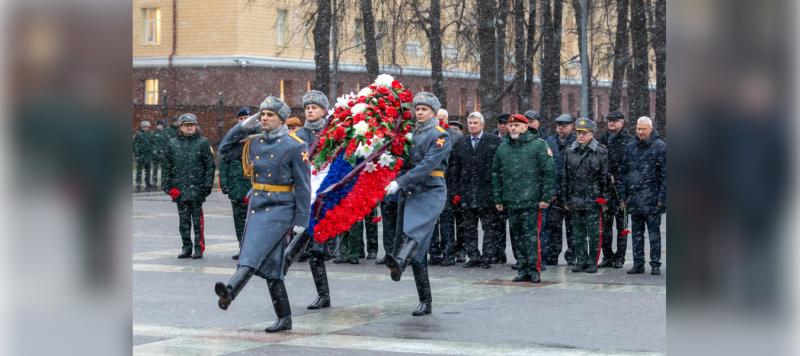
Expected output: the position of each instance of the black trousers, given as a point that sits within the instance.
(490, 220)
(372, 231)
(239, 217)
(555, 219)
(443, 242)
(614, 216)
(190, 214)
(389, 222)
(145, 165)
(653, 224)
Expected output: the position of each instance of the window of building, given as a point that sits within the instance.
(152, 26)
(151, 92)
(413, 49)
(281, 27)
(450, 52)
(380, 34)
(358, 35)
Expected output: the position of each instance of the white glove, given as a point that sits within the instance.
(298, 229)
(252, 121)
(392, 188)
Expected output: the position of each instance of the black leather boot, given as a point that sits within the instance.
(397, 264)
(293, 250)
(280, 301)
(317, 264)
(227, 293)
(423, 289)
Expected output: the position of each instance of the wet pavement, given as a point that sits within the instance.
(475, 311)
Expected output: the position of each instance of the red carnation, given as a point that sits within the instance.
(397, 85)
(376, 219)
(456, 199)
(406, 115)
(174, 193)
(246, 200)
(405, 96)
(391, 112)
(625, 232)
(601, 201)
(398, 147)
(338, 135)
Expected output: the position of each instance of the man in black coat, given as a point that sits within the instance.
(643, 190)
(443, 242)
(472, 158)
(557, 216)
(615, 140)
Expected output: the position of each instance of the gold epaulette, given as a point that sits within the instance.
(247, 166)
(442, 130)
(296, 138)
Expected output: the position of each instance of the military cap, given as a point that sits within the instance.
(518, 118)
(277, 106)
(427, 99)
(456, 123)
(315, 97)
(503, 118)
(244, 111)
(584, 124)
(616, 115)
(565, 119)
(187, 119)
(532, 115)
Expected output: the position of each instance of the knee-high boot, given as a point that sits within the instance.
(227, 293)
(423, 288)
(280, 301)
(397, 263)
(317, 264)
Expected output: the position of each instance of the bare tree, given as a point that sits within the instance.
(370, 50)
(487, 84)
(581, 10)
(638, 84)
(520, 59)
(530, 52)
(500, 50)
(621, 56)
(551, 59)
(660, 48)
(322, 33)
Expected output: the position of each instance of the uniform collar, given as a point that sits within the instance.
(592, 145)
(280, 131)
(315, 125)
(427, 125)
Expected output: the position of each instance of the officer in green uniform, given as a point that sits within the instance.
(233, 183)
(143, 154)
(189, 178)
(523, 182)
(585, 190)
(160, 143)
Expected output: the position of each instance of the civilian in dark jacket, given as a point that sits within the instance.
(615, 140)
(584, 191)
(471, 161)
(557, 216)
(643, 190)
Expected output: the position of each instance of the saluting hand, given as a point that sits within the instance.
(499, 207)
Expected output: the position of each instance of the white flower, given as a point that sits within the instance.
(365, 92)
(409, 136)
(384, 80)
(363, 150)
(377, 142)
(341, 101)
(358, 108)
(385, 160)
(361, 128)
(370, 167)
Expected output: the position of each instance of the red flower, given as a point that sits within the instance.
(397, 147)
(246, 200)
(376, 219)
(397, 85)
(625, 232)
(405, 96)
(406, 115)
(456, 199)
(601, 201)
(361, 99)
(338, 135)
(174, 193)
(391, 112)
